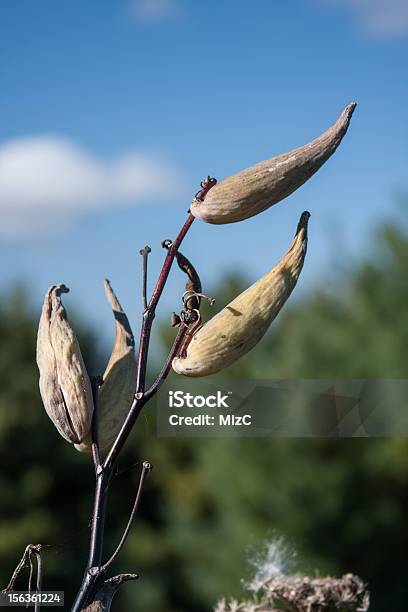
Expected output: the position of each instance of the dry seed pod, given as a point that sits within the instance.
(255, 189)
(64, 383)
(119, 379)
(237, 328)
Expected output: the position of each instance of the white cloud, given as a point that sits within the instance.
(46, 180)
(155, 10)
(380, 18)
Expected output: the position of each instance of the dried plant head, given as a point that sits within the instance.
(255, 189)
(238, 327)
(64, 382)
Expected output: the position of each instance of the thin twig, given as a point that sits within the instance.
(178, 341)
(30, 577)
(144, 253)
(189, 336)
(96, 381)
(29, 549)
(17, 571)
(146, 468)
(39, 571)
(37, 552)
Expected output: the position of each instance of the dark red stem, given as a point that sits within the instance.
(164, 372)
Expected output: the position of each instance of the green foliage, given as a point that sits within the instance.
(208, 502)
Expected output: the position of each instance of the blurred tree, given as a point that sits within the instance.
(339, 502)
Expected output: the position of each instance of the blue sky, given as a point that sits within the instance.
(112, 112)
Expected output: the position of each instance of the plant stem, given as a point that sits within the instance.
(144, 253)
(95, 382)
(94, 570)
(178, 341)
(150, 312)
(146, 468)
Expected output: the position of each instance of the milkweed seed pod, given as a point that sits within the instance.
(119, 380)
(255, 189)
(238, 327)
(64, 382)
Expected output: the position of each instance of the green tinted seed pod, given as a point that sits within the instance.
(119, 379)
(238, 327)
(64, 382)
(255, 189)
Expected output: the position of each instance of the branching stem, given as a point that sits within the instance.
(146, 468)
(95, 571)
(31, 549)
